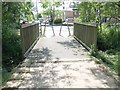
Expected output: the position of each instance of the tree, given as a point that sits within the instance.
(87, 12)
(107, 17)
(12, 13)
(98, 11)
(50, 8)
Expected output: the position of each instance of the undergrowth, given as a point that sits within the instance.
(108, 49)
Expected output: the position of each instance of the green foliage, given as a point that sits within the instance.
(45, 4)
(49, 7)
(93, 51)
(87, 12)
(11, 46)
(39, 15)
(118, 63)
(5, 75)
(51, 21)
(12, 13)
(109, 38)
(110, 60)
(108, 33)
(108, 41)
(58, 21)
(46, 12)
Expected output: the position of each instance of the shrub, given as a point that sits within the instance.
(11, 49)
(39, 15)
(93, 51)
(109, 38)
(51, 21)
(58, 21)
(5, 75)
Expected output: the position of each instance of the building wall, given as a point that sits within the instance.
(68, 14)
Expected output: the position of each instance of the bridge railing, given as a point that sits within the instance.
(29, 35)
(86, 34)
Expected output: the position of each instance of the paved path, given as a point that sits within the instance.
(64, 31)
(59, 62)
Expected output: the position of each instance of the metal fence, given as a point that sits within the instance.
(86, 34)
(29, 35)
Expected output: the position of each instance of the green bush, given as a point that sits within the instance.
(58, 21)
(118, 63)
(39, 15)
(109, 38)
(51, 21)
(93, 51)
(11, 49)
(111, 60)
(5, 75)
(11, 44)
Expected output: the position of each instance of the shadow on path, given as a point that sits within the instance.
(37, 70)
(43, 54)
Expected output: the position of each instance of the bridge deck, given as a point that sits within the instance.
(59, 62)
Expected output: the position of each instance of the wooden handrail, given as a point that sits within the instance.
(29, 35)
(86, 34)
